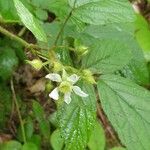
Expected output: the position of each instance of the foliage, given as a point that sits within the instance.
(99, 46)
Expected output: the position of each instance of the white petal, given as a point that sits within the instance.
(54, 77)
(54, 94)
(73, 78)
(79, 92)
(67, 97)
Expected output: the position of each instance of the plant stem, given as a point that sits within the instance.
(18, 39)
(12, 36)
(18, 111)
(64, 24)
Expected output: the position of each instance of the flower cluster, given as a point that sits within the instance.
(66, 86)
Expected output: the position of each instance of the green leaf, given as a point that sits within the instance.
(118, 148)
(103, 11)
(77, 119)
(29, 21)
(56, 140)
(60, 12)
(29, 146)
(8, 11)
(8, 62)
(107, 56)
(11, 145)
(40, 116)
(38, 111)
(36, 139)
(137, 68)
(127, 106)
(97, 139)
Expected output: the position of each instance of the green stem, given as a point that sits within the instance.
(12, 36)
(64, 24)
(18, 111)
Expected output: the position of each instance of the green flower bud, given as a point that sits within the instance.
(48, 87)
(88, 76)
(57, 66)
(65, 87)
(35, 63)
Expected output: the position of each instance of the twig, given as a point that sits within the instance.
(18, 111)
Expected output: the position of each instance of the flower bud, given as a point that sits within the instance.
(35, 63)
(87, 75)
(57, 66)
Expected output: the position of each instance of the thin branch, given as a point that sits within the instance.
(21, 41)
(14, 37)
(18, 110)
(64, 24)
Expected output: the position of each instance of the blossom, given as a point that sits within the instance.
(66, 86)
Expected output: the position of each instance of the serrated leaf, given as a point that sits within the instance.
(107, 56)
(137, 68)
(29, 21)
(8, 62)
(11, 145)
(97, 139)
(103, 11)
(127, 106)
(77, 119)
(56, 140)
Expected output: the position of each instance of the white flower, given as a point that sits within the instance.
(66, 86)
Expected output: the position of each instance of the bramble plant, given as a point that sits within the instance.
(91, 54)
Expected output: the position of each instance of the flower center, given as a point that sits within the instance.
(65, 87)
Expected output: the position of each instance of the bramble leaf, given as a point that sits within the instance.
(102, 11)
(107, 56)
(30, 21)
(127, 106)
(77, 119)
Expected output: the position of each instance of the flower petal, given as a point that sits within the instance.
(54, 94)
(54, 77)
(67, 97)
(73, 78)
(79, 92)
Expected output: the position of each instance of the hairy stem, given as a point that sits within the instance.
(18, 110)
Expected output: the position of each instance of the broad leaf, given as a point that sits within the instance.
(77, 119)
(8, 62)
(29, 146)
(107, 56)
(103, 11)
(29, 21)
(136, 69)
(97, 139)
(56, 140)
(127, 106)
(11, 145)
(118, 148)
